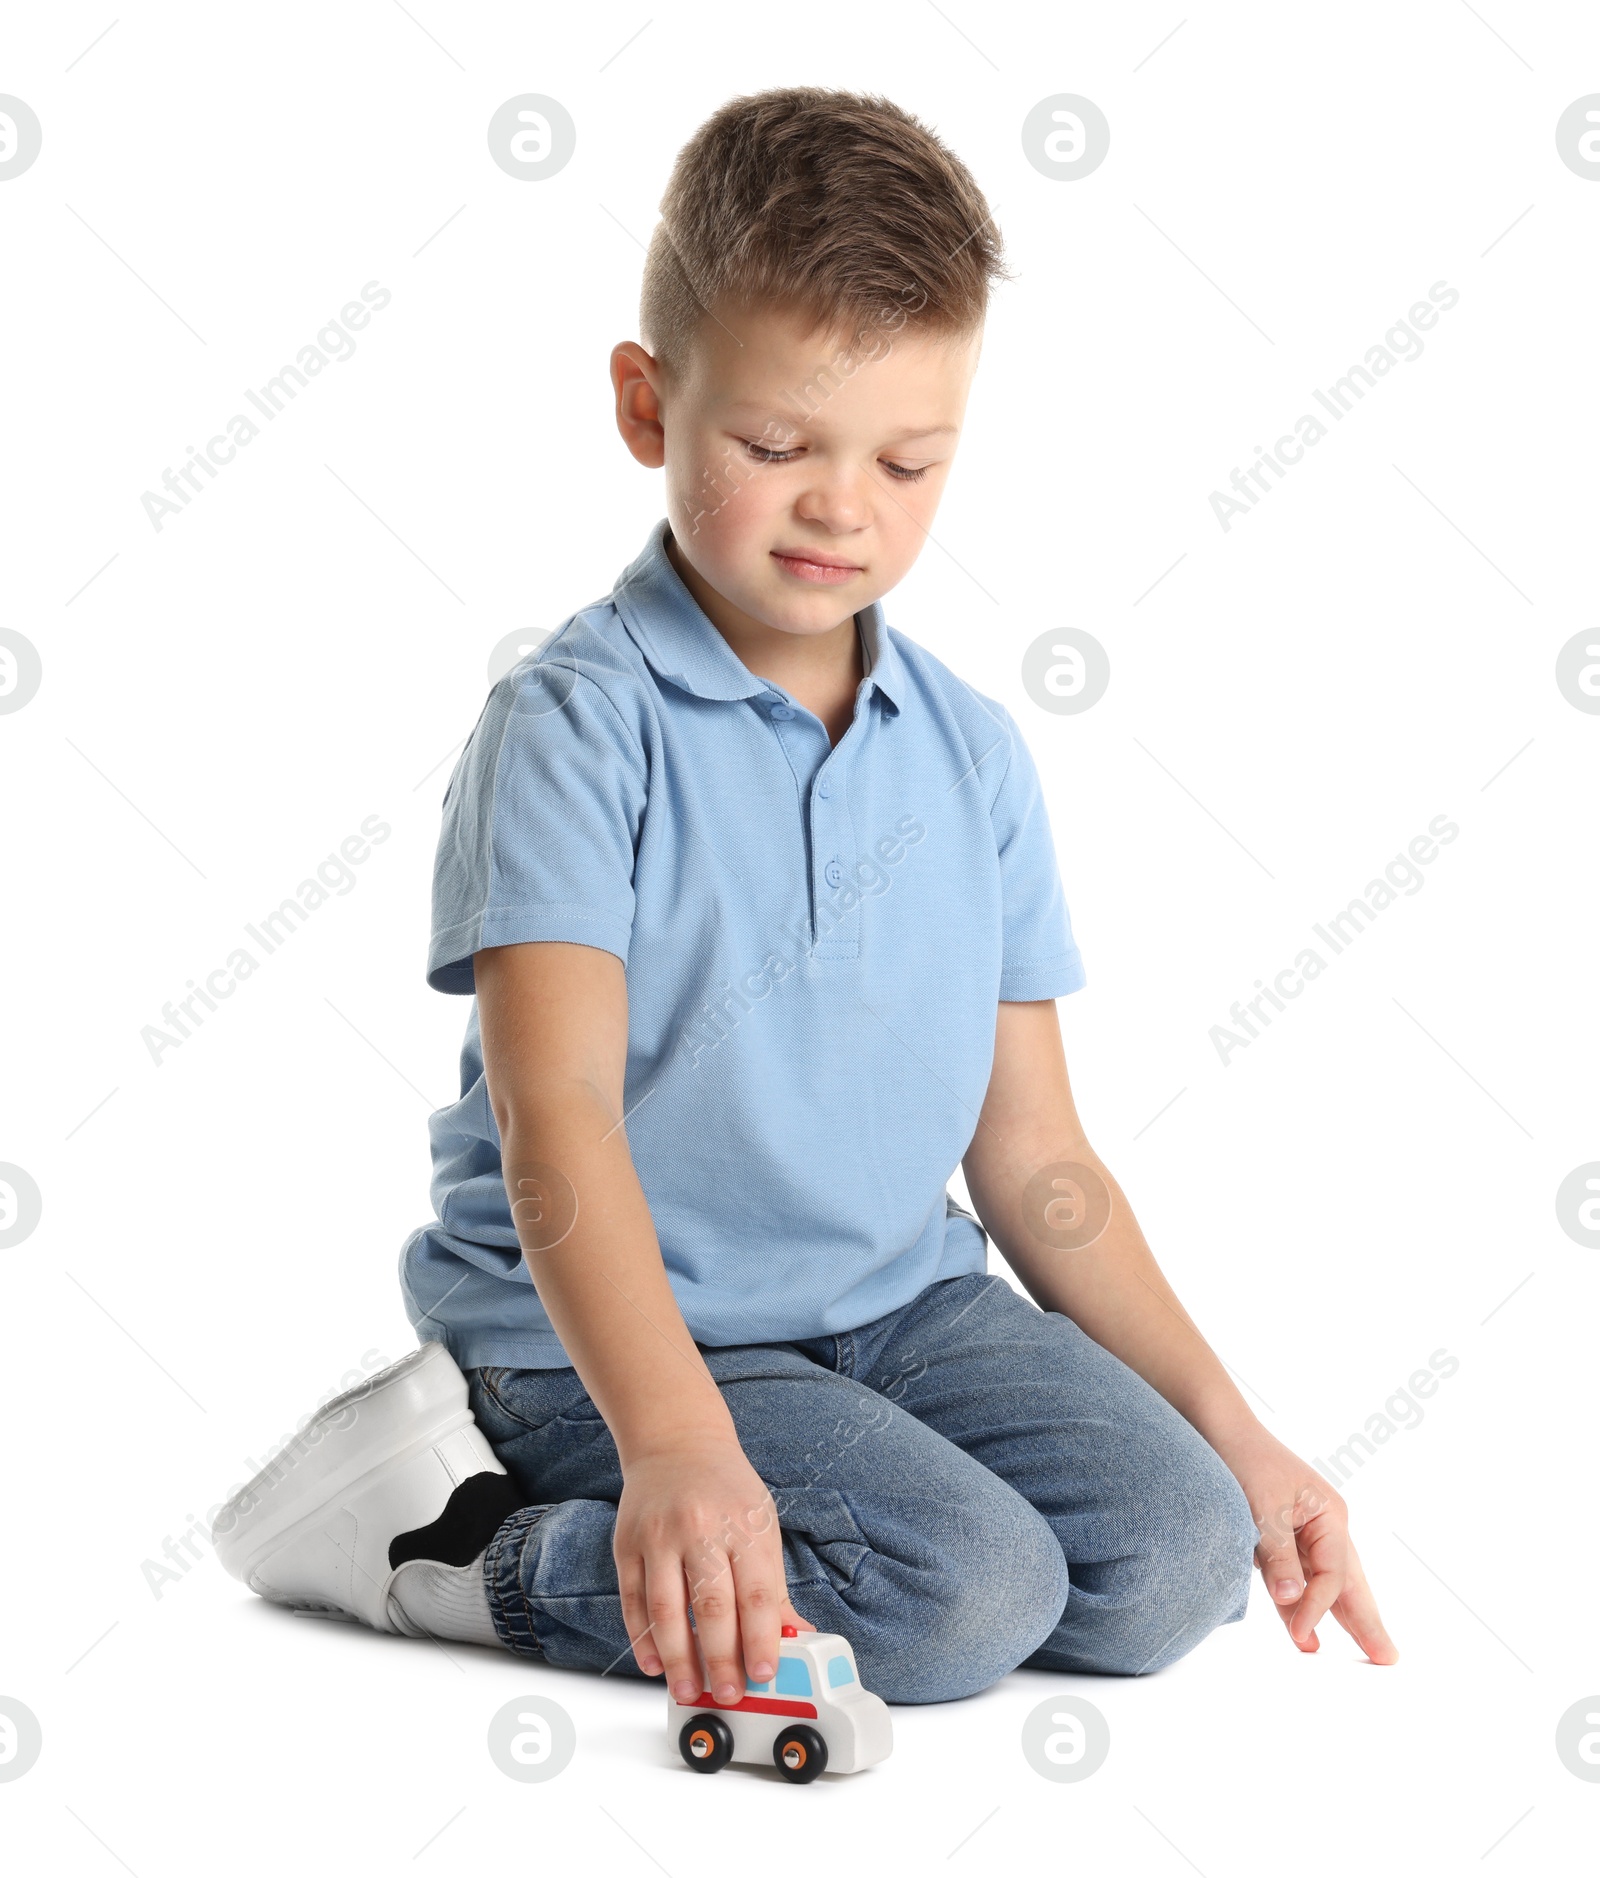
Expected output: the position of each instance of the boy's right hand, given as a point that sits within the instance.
(696, 1526)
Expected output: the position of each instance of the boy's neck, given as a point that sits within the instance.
(821, 670)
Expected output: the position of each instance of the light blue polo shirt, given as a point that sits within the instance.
(816, 940)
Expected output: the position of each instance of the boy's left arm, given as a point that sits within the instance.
(1113, 1289)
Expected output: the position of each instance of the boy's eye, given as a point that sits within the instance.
(760, 453)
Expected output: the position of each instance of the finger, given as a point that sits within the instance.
(667, 1615)
(631, 1584)
(760, 1606)
(1322, 1589)
(1286, 1613)
(1314, 1519)
(1357, 1610)
(760, 1539)
(1278, 1558)
(1324, 1544)
(761, 1588)
(716, 1620)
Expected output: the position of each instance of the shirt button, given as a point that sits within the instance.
(833, 873)
(824, 788)
(781, 711)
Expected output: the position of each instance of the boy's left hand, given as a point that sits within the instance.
(1305, 1556)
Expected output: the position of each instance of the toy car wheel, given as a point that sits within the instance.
(706, 1743)
(800, 1754)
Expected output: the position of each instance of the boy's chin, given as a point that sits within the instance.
(809, 622)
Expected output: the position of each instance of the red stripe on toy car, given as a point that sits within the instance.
(752, 1705)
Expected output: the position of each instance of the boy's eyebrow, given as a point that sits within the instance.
(904, 436)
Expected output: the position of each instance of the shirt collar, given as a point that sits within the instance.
(682, 645)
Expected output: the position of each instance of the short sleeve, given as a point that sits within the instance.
(1039, 957)
(541, 824)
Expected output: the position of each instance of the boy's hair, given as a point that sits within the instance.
(837, 205)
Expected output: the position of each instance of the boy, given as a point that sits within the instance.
(760, 908)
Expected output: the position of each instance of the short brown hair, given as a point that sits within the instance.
(839, 205)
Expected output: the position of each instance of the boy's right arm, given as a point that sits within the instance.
(694, 1516)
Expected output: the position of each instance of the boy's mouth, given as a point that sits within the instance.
(822, 570)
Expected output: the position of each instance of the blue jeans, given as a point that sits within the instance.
(965, 1485)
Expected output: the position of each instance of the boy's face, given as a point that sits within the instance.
(778, 444)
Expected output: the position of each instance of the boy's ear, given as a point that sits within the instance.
(635, 377)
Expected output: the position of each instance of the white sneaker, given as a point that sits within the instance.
(393, 1470)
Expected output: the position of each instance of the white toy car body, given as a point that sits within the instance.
(813, 1716)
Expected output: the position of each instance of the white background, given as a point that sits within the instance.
(225, 700)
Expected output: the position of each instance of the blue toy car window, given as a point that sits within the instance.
(755, 1688)
(839, 1671)
(793, 1676)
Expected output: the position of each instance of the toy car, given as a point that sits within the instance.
(813, 1715)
